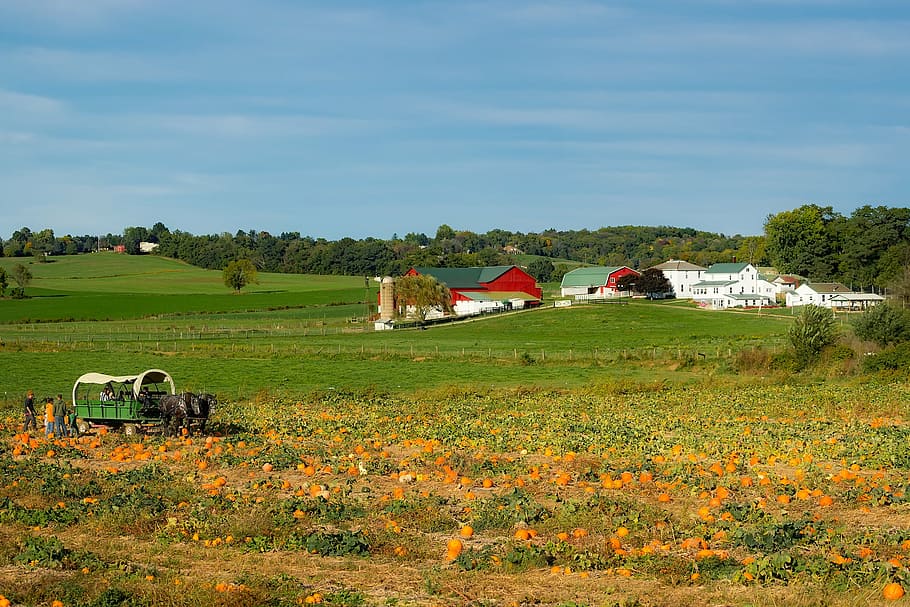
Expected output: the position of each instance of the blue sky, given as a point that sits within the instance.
(374, 118)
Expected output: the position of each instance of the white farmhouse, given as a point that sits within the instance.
(816, 294)
(681, 276)
(831, 295)
(733, 285)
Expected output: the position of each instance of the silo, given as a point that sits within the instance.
(387, 298)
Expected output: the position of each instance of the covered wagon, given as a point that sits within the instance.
(126, 401)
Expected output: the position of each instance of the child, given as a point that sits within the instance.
(48, 417)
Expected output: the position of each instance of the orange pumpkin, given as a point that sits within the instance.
(453, 549)
(893, 591)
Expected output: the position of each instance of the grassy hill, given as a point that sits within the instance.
(110, 286)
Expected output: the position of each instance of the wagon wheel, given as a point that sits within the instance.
(82, 426)
(130, 429)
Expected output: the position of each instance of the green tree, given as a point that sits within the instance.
(424, 294)
(4, 281)
(239, 273)
(868, 240)
(132, 236)
(22, 276)
(883, 324)
(542, 269)
(900, 286)
(803, 241)
(813, 329)
(444, 232)
(752, 250)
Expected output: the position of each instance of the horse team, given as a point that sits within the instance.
(179, 410)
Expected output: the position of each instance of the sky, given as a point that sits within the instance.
(378, 118)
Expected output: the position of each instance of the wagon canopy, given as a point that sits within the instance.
(149, 377)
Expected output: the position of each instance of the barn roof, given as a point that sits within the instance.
(828, 287)
(589, 277)
(464, 278)
(498, 295)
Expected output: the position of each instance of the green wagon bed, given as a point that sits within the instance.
(124, 408)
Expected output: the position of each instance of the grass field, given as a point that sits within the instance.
(591, 455)
(295, 333)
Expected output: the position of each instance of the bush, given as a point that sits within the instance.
(883, 324)
(753, 360)
(895, 358)
(812, 330)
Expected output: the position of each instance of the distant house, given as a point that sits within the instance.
(742, 281)
(831, 295)
(119, 248)
(147, 247)
(786, 282)
(594, 281)
(681, 275)
(484, 289)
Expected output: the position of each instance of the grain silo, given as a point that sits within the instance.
(387, 298)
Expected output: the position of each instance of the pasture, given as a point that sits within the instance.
(594, 455)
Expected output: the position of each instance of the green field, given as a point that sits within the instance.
(118, 313)
(108, 286)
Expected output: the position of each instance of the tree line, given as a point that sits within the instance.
(870, 248)
(635, 246)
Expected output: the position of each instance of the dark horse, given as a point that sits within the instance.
(177, 410)
(201, 406)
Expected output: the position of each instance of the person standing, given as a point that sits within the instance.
(60, 417)
(48, 417)
(30, 416)
(73, 426)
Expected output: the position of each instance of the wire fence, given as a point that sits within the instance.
(192, 345)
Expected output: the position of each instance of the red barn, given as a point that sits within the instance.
(596, 280)
(474, 289)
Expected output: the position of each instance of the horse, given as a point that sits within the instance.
(174, 409)
(201, 406)
(177, 410)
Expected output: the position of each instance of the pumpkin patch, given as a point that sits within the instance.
(613, 492)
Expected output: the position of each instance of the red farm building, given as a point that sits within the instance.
(476, 290)
(595, 281)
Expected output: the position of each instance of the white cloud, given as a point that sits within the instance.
(25, 103)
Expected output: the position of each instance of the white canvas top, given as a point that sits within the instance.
(151, 376)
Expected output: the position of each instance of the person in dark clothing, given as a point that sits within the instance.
(60, 414)
(29, 406)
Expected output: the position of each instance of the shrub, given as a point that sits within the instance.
(812, 330)
(895, 358)
(753, 360)
(883, 324)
